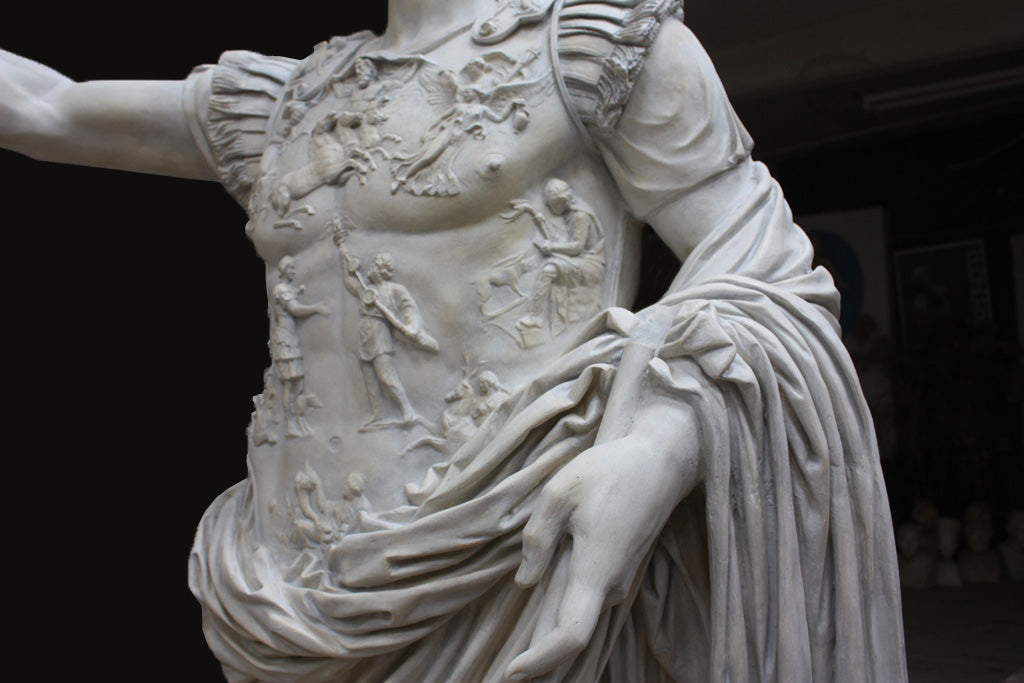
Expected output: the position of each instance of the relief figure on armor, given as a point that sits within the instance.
(264, 421)
(384, 306)
(372, 88)
(474, 398)
(318, 521)
(571, 270)
(369, 98)
(485, 90)
(286, 349)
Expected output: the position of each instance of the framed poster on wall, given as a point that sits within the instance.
(852, 246)
(943, 290)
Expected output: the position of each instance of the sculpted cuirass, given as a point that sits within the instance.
(452, 238)
(437, 164)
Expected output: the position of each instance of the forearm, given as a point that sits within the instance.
(669, 431)
(25, 87)
(129, 125)
(302, 310)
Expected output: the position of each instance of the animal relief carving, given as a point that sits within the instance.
(570, 257)
(475, 397)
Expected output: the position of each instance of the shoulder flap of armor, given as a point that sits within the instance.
(244, 86)
(601, 46)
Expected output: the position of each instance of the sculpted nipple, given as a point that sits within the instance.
(492, 166)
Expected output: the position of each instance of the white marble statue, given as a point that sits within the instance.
(917, 560)
(471, 462)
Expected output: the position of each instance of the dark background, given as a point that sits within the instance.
(136, 323)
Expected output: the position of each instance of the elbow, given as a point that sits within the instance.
(34, 128)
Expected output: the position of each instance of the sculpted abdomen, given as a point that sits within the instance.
(435, 237)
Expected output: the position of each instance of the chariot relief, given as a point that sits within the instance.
(343, 141)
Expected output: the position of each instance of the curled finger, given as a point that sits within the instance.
(546, 527)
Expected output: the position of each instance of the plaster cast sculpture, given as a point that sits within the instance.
(926, 517)
(1012, 549)
(470, 461)
(977, 561)
(917, 560)
(946, 571)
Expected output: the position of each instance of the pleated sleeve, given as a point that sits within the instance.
(229, 107)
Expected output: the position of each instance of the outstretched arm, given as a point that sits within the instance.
(128, 125)
(306, 310)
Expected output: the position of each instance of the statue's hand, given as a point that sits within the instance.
(613, 500)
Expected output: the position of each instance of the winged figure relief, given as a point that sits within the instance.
(489, 90)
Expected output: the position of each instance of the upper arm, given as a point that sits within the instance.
(129, 125)
(678, 153)
(133, 125)
(211, 126)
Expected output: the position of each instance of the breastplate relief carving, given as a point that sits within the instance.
(313, 521)
(468, 404)
(286, 349)
(489, 90)
(386, 307)
(567, 265)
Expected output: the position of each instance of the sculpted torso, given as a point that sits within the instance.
(442, 167)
